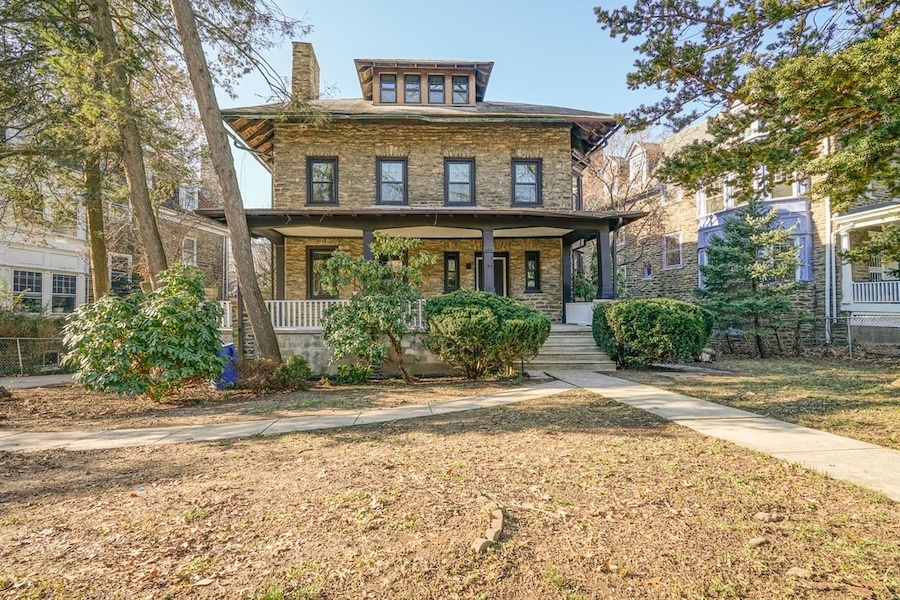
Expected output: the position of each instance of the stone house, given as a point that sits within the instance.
(863, 300)
(492, 188)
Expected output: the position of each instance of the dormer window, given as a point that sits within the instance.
(412, 89)
(388, 88)
(460, 89)
(435, 89)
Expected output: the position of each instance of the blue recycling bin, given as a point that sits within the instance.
(229, 377)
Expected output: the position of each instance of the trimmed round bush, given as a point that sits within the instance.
(293, 372)
(479, 333)
(641, 331)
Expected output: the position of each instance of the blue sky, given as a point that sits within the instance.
(544, 52)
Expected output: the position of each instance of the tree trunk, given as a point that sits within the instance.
(760, 343)
(93, 203)
(223, 163)
(132, 152)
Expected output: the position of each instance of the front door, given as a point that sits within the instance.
(500, 282)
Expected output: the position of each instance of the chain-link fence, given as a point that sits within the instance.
(30, 356)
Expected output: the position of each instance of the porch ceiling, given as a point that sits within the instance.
(423, 232)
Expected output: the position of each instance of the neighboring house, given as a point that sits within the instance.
(665, 261)
(492, 188)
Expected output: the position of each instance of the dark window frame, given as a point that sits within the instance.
(453, 92)
(310, 272)
(447, 182)
(447, 257)
(538, 180)
(577, 191)
(443, 89)
(379, 163)
(310, 160)
(406, 90)
(533, 255)
(381, 88)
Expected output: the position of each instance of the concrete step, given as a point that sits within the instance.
(571, 347)
(602, 366)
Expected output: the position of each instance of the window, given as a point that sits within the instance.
(63, 299)
(714, 197)
(64, 218)
(532, 272)
(576, 192)
(412, 93)
(647, 272)
(671, 250)
(451, 272)
(391, 175)
(321, 180)
(28, 288)
(460, 89)
(672, 194)
(526, 181)
(317, 258)
(189, 251)
(387, 88)
(622, 280)
(459, 181)
(435, 89)
(120, 275)
(119, 211)
(637, 168)
(188, 198)
(782, 185)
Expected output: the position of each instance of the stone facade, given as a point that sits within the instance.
(424, 146)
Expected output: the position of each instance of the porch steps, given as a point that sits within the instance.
(571, 349)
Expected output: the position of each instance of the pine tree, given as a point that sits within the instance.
(750, 272)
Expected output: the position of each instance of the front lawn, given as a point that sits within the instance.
(601, 501)
(846, 397)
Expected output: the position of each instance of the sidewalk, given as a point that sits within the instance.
(27, 441)
(33, 381)
(842, 458)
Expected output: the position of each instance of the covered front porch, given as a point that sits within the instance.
(872, 287)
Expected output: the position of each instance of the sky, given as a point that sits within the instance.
(544, 52)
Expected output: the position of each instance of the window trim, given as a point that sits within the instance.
(381, 99)
(54, 295)
(30, 294)
(379, 162)
(408, 77)
(309, 272)
(183, 242)
(443, 88)
(680, 264)
(534, 255)
(447, 182)
(447, 257)
(309, 179)
(453, 79)
(539, 199)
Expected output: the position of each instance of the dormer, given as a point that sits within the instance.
(423, 83)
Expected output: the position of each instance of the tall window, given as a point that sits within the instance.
(671, 250)
(526, 176)
(714, 197)
(577, 203)
(321, 180)
(436, 89)
(28, 288)
(637, 169)
(460, 89)
(532, 271)
(451, 272)
(317, 258)
(412, 92)
(387, 88)
(391, 175)
(63, 299)
(459, 181)
(120, 275)
(189, 251)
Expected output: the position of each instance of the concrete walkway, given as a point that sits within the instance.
(33, 381)
(842, 458)
(11, 440)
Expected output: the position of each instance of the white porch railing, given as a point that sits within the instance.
(579, 313)
(876, 291)
(307, 315)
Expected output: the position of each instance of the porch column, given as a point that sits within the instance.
(606, 289)
(367, 243)
(846, 271)
(279, 270)
(566, 277)
(487, 261)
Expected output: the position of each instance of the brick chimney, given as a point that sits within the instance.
(304, 73)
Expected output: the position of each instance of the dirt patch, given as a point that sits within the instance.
(600, 501)
(848, 398)
(67, 407)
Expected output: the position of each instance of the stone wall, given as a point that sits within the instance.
(424, 146)
(548, 300)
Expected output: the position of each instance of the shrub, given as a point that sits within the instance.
(256, 375)
(146, 343)
(642, 331)
(292, 373)
(352, 374)
(480, 333)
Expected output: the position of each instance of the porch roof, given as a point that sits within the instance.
(430, 222)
